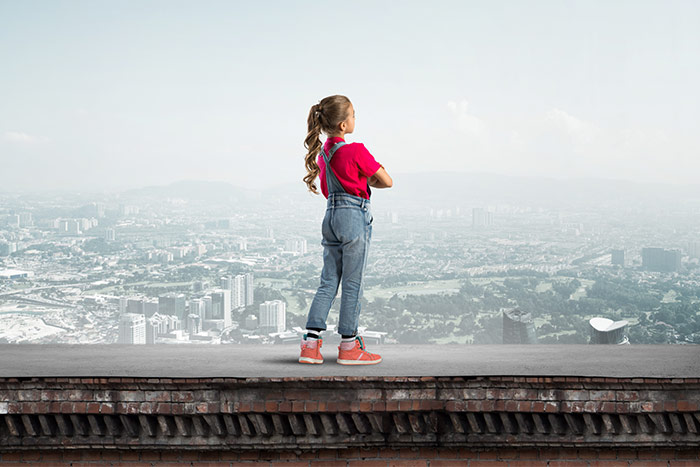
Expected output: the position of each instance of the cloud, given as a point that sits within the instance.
(466, 122)
(19, 137)
(557, 142)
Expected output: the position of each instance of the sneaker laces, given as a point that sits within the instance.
(362, 345)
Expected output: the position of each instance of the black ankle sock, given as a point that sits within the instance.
(347, 337)
(313, 332)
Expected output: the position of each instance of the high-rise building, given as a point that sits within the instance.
(221, 306)
(25, 219)
(132, 329)
(617, 257)
(273, 314)
(249, 289)
(481, 218)
(135, 305)
(194, 323)
(123, 302)
(238, 291)
(518, 327)
(694, 249)
(197, 307)
(172, 303)
(109, 234)
(295, 245)
(660, 260)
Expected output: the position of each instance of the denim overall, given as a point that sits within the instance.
(347, 230)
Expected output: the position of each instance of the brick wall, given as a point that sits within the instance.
(367, 457)
(414, 420)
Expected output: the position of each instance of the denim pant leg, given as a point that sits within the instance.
(355, 249)
(330, 276)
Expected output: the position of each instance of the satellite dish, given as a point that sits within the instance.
(605, 324)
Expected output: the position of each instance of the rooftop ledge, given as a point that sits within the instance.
(258, 361)
(242, 398)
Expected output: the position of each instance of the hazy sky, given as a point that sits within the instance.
(116, 94)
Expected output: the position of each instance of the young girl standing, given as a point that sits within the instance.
(346, 172)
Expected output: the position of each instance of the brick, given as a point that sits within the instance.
(530, 463)
(271, 406)
(408, 453)
(649, 463)
(209, 456)
(568, 463)
(405, 405)
(448, 453)
(610, 453)
(372, 463)
(182, 396)
(31, 456)
(465, 453)
(328, 454)
(687, 406)
(687, 454)
(479, 463)
(406, 463)
(528, 453)
(607, 463)
(49, 456)
(626, 454)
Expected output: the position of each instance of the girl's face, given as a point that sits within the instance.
(350, 121)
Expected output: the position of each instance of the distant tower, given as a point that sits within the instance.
(481, 218)
(273, 316)
(221, 306)
(132, 329)
(172, 304)
(660, 260)
(226, 282)
(249, 289)
(123, 302)
(518, 327)
(238, 291)
(194, 323)
(197, 307)
(617, 257)
(109, 234)
(607, 331)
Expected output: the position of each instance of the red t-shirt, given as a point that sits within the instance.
(352, 164)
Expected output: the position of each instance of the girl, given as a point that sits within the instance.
(346, 172)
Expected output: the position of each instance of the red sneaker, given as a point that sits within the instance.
(357, 355)
(311, 351)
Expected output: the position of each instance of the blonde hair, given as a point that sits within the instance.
(323, 117)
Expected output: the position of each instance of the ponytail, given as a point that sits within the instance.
(323, 117)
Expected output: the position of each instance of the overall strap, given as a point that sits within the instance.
(332, 182)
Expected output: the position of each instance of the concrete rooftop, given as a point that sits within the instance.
(240, 361)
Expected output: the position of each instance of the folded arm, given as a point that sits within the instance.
(380, 179)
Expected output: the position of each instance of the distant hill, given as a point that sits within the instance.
(488, 188)
(200, 190)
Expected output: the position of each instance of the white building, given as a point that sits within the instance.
(273, 314)
(132, 329)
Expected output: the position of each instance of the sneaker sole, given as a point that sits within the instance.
(359, 362)
(309, 360)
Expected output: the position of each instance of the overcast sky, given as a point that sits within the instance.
(117, 94)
